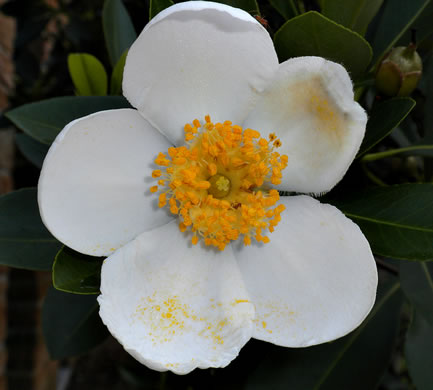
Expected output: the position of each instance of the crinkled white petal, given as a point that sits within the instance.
(310, 107)
(315, 281)
(198, 58)
(93, 189)
(175, 306)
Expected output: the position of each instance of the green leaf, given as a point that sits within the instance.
(396, 18)
(156, 6)
(423, 27)
(353, 14)
(71, 324)
(24, 240)
(117, 75)
(312, 34)
(88, 74)
(247, 5)
(418, 351)
(383, 119)
(397, 220)
(45, 119)
(356, 361)
(76, 273)
(118, 29)
(417, 284)
(286, 8)
(33, 150)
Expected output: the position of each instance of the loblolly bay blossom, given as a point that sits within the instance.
(180, 194)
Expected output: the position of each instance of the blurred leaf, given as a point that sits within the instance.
(33, 150)
(423, 27)
(353, 14)
(88, 74)
(286, 8)
(356, 361)
(417, 284)
(117, 75)
(426, 86)
(71, 324)
(44, 120)
(397, 220)
(247, 5)
(396, 19)
(311, 34)
(383, 119)
(24, 240)
(418, 351)
(118, 29)
(156, 6)
(76, 273)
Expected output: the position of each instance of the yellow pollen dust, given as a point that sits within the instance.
(218, 183)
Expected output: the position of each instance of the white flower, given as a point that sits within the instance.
(178, 306)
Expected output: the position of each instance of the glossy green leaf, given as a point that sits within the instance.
(71, 324)
(383, 119)
(24, 240)
(33, 150)
(396, 18)
(88, 74)
(423, 27)
(117, 75)
(118, 29)
(286, 8)
(156, 6)
(312, 34)
(397, 220)
(418, 351)
(45, 119)
(356, 361)
(417, 284)
(76, 273)
(353, 14)
(247, 5)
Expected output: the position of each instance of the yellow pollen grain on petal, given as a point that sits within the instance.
(218, 184)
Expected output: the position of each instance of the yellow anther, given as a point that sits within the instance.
(156, 173)
(212, 169)
(263, 143)
(212, 183)
(187, 128)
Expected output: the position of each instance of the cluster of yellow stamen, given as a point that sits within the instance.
(217, 183)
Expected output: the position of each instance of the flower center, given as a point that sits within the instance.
(219, 186)
(217, 183)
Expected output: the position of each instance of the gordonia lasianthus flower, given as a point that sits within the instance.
(181, 194)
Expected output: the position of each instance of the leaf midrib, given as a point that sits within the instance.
(388, 223)
(427, 275)
(379, 305)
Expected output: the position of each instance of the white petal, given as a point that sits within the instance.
(310, 107)
(198, 58)
(174, 306)
(315, 281)
(93, 190)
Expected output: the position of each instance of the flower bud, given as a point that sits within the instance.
(399, 72)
